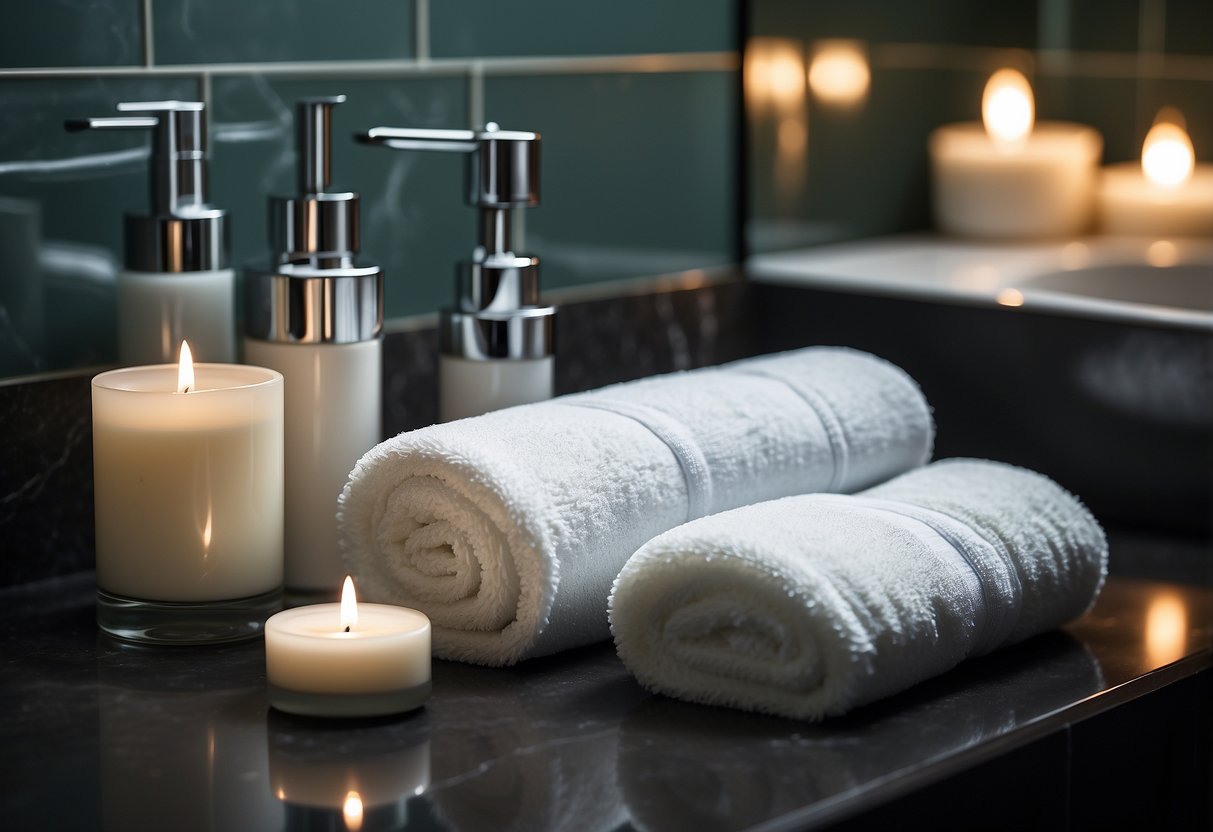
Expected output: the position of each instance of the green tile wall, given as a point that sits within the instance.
(188, 32)
(636, 102)
(557, 27)
(636, 171)
(38, 33)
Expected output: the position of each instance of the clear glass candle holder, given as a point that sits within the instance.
(189, 502)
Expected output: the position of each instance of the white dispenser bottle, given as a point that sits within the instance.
(316, 316)
(176, 285)
(497, 342)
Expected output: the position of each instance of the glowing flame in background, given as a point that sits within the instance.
(349, 605)
(1008, 109)
(839, 73)
(1167, 156)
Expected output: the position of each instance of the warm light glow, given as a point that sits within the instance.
(1167, 157)
(1162, 254)
(774, 73)
(1010, 297)
(1075, 255)
(185, 369)
(349, 605)
(838, 72)
(793, 137)
(1166, 630)
(351, 810)
(1007, 108)
(208, 531)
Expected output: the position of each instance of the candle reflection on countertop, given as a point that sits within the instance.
(179, 753)
(358, 776)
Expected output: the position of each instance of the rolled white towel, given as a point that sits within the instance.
(507, 529)
(809, 606)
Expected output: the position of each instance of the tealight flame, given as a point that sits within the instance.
(185, 369)
(1167, 157)
(349, 605)
(1008, 109)
(351, 810)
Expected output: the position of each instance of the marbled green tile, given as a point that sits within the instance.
(414, 221)
(638, 171)
(64, 196)
(220, 31)
(1005, 24)
(488, 28)
(70, 33)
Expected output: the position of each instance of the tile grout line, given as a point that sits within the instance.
(476, 97)
(542, 65)
(421, 37)
(149, 44)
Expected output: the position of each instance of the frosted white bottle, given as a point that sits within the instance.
(469, 388)
(156, 312)
(316, 316)
(333, 402)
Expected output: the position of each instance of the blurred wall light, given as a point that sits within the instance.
(774, 75)
(839, 74)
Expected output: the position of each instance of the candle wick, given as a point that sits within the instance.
(186, 390)
(347, 628)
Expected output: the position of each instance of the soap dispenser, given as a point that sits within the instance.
(176, 285)
(316, 316)
(497, 340)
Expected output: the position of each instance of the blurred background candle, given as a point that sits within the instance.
(188, 496)
(1165, 194)
(1009, 176)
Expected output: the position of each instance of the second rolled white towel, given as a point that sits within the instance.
(808, 606)
(507, 529)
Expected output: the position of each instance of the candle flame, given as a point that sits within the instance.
(185, 369)
(351, 810)
(839, 73)
(1008, 109)
(349, 605)
(1167, 157)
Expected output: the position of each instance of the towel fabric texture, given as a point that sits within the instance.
(508, 529)
(811, 605)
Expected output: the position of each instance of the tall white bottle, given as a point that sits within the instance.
(316, 316)
(175, 284)
(497, 341)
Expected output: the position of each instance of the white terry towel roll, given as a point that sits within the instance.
(811, 605)
(507, 529)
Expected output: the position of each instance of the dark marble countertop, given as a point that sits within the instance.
(98, 734)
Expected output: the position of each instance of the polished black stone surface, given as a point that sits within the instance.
(101, 735)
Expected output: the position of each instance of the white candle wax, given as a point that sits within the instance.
(1042, 187)
(188, 486)
(381, 666)
(1129, 203)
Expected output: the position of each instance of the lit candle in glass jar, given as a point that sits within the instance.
(188, 492)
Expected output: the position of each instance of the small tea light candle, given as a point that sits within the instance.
(1010, 177)
(187, 469)
(1167, 194)
(348, 659)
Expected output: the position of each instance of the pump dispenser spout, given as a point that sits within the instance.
(182, 233)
